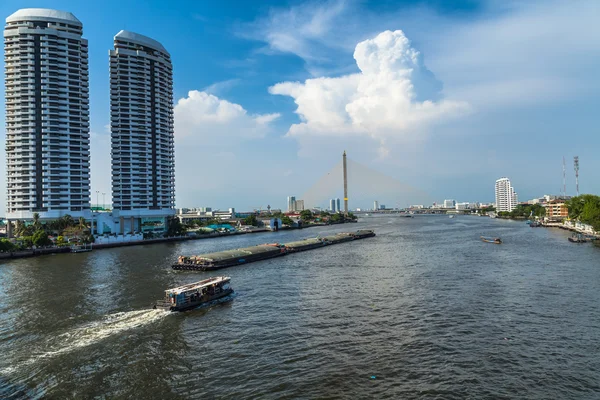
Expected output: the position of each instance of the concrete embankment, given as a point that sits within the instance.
(230, 258)
(33, 253)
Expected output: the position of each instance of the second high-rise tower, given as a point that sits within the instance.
(141, 104)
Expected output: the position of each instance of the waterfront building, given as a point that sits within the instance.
(382, 206)
(338, 204)
(299, 205)
(556, 210)
(462, 206)
(291, 201)
(47, 115)
(332, 205)
(141, 104)
(375, 205)
(449, 203)
(506, 197)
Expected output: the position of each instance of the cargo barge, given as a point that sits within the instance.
(230, 258)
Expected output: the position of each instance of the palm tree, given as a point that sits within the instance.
(82, 223)
(19, 228)
(36, 221)
(69, 221)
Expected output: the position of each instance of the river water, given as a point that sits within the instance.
(423, 310)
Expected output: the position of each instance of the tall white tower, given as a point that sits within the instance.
(47, 115)
(141, 115)
(506, 197)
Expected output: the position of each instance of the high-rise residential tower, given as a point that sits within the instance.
(332, 205)
(506, 197)
(141, 114)
(47, 115)
(338, 204)
(291, 203)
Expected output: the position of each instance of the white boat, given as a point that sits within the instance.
(451, 216)
(81, 248)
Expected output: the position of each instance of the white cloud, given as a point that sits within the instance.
(393, 97)
(206, 118)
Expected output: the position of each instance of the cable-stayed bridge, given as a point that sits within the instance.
(365, 185)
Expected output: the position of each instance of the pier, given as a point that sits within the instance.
(230, 258)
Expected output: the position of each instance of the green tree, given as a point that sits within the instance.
(174, 227)
(6, 245)
(576, 204)
(306, 215)
(352, 217)
(68, 220)
(40, 238)
(285, 220)
(36, 221)
(251, 220)
(26, 242)
(335, 218)
(88, 238)
(590, 214)
(19, 228)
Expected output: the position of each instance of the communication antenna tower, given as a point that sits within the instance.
(576, 163)
(564, 178)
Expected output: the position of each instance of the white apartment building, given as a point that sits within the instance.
(449, 203)
(141, 114)
(47, 115)
(375, 205)
(506, 197)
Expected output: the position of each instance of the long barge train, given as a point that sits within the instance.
(229, 258)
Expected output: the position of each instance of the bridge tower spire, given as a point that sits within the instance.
(345, 185)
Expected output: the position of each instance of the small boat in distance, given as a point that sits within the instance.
(491, 240)
(451, 216)
(81, 248)
(578, 238)
(195, 294)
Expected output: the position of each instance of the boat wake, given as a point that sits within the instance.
(93, 332)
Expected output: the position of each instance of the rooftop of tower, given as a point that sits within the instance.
(43, 14)
(140, 39)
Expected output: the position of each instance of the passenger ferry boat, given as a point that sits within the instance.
(193, 295)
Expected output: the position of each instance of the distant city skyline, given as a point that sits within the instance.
(255, 111)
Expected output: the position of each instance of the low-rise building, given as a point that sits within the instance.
(556, 210)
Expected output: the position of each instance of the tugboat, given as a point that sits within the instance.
(196, 294)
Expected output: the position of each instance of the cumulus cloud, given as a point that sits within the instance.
(206, 117)
(394, 96)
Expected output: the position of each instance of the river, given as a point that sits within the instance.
(423, 310)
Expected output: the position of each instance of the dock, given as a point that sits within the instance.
(246, 255)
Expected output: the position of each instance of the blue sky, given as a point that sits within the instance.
(443, 97)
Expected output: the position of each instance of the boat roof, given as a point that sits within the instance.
(197, 285)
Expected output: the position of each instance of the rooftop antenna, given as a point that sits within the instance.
(576, 163)
(564, 178)
(345, 184)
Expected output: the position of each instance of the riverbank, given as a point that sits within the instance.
(100, 246)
